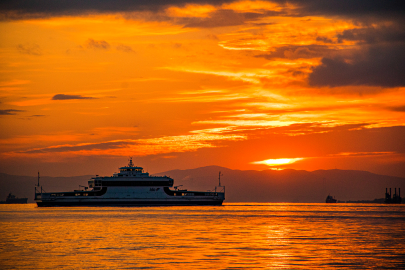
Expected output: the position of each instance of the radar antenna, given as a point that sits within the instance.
(219, 178)
(130, 164)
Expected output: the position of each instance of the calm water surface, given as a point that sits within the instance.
(233, 236)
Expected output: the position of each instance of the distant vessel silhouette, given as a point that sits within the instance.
(12, 199)
(130, 187)
(330, 199)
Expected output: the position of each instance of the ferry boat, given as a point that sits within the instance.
(130, 187)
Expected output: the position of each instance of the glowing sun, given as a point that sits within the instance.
(278, 161)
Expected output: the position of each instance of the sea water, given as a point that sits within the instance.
(232, 236)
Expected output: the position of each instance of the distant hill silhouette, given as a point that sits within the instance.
(241, 186)
(289, 185)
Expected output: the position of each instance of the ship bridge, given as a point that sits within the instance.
(131, 170)
(130, 176)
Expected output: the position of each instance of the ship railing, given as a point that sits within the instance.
(38, 192)
(220, 189)
(150, 176)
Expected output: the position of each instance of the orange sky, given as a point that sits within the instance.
(239, 84)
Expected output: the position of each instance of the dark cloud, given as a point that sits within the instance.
(263, 24)
(31, 49)
(97, 44)
(125, 48)
(350, 8)
(10, 112)
(381, 61)
(324, 39)
(17, 9)
(380, 66)
(295, 52)
(68, 97)
(213, 37)
(375, 34)
(20, 9)
(397, 109)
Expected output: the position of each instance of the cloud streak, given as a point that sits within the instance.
(10, 112)
(139, 147)
(297, 52)
(97, 44)
(30, 49)
(69, 97)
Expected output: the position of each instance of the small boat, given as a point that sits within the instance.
(130, 187)
(12, 199)
(330, 199)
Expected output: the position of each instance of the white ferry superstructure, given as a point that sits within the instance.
(130, 187)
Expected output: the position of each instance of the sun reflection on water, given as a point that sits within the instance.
(236, 235)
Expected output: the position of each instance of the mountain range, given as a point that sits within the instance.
(241, 185)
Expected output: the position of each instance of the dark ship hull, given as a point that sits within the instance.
(330, 199)
(128, 203)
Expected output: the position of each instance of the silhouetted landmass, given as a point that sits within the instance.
(381, 200)
(242, 186)
(288, 185)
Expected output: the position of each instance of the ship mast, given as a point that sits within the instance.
(219, 180)
(38, 178)
(130, 162)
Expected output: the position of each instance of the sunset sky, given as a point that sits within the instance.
(249, 85)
